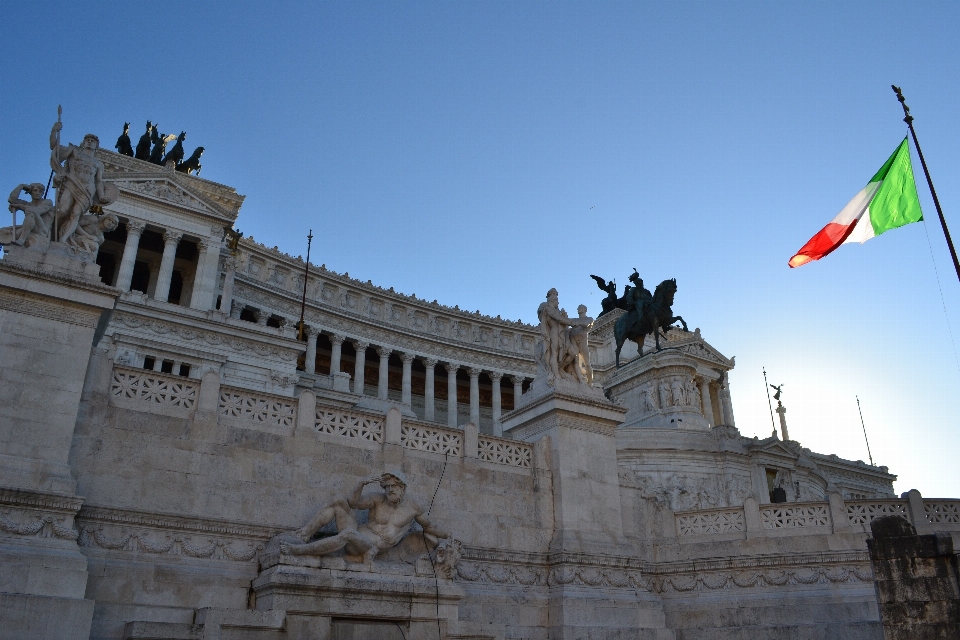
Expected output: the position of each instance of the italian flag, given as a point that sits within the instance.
(888, 201)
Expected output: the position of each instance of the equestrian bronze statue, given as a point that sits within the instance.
(646, 314)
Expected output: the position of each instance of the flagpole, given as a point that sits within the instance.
(916, 143)
(769, 404)
(864, 430)
(301, 327)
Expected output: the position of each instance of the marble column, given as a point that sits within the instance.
(474, 395)
(407, 378)
(495, 377)
(170, 241)
(451, 394)
(428, 402)
(310, 362)
(336, 350)
(707, 401)
(517, 389)
(125, 275)
(205, 282)
(725, 403)
(384, 379)
(229, 275)
(361, 348)
(262, 317)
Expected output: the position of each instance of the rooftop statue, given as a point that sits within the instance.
(646, 314)
(191, 164)
(176, 154)
(123, 142)
(391, 512)
(611, 302)
(160, 141)
(565, 352)
(79, 182)
(143, 147)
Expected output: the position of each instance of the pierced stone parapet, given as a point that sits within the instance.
(149, 391)
(864, 512)
(795, 516)
(349, 425)
(239, 404)
(503, 451)
(710, 522)
(942, 511)
(431, 439)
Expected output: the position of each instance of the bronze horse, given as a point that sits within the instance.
(657, 315)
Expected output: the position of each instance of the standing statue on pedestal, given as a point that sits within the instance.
(79, 182)
(565, 352)
(646, 314)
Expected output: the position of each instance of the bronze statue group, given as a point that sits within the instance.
(152, 147)
(646, 312)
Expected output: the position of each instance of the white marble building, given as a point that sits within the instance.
(165, 423)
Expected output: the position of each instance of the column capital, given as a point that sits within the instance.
(361, 345)
(496, 376)
(337, 338)
(474, 372)
(230, 263)
(172, 237)
(309, 331)
(203, 244)
(429, 363)
(136, 227)
(451, 367)
(516, 379)
(384, 352)
(407, 358)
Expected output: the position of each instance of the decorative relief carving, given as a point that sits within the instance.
(40, 525)
(96, 535)
(31, 305)
(161, 190)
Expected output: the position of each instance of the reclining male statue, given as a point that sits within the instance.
(391, 514)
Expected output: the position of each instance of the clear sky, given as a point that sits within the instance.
(481, 153)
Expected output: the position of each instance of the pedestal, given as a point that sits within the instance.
(51, 303)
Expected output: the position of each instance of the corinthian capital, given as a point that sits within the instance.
(172, 237)
(135, 227)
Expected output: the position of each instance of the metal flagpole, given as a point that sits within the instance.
(303, 303)
(53, 170)
(916, 143)
(864, 430)
(769, 404)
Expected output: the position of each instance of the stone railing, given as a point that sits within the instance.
(349, 424)
(432, 439)
(503, 451)
(156, 392)
(940, 512)
(861, 513)
(811, 518)
(713, 521)
(795, 515)
(264, 410)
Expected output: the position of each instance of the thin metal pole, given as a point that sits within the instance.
(769, 404)
(303, 302)
(936, 201)
(864, 430)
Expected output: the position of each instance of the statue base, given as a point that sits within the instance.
(56, 259)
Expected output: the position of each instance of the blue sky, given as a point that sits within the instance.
(481, 153)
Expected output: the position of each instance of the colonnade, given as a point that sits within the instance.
(204, 282)
(429, 363)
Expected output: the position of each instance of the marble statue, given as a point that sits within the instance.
(391, 512)
(89, 233)
(678, 391)
(123, 142)
(143, 146)
(692, 393)
(564, 341)
(38, 215)
(665, 394)
(79, 182)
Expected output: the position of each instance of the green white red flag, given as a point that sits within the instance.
(888, 201)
